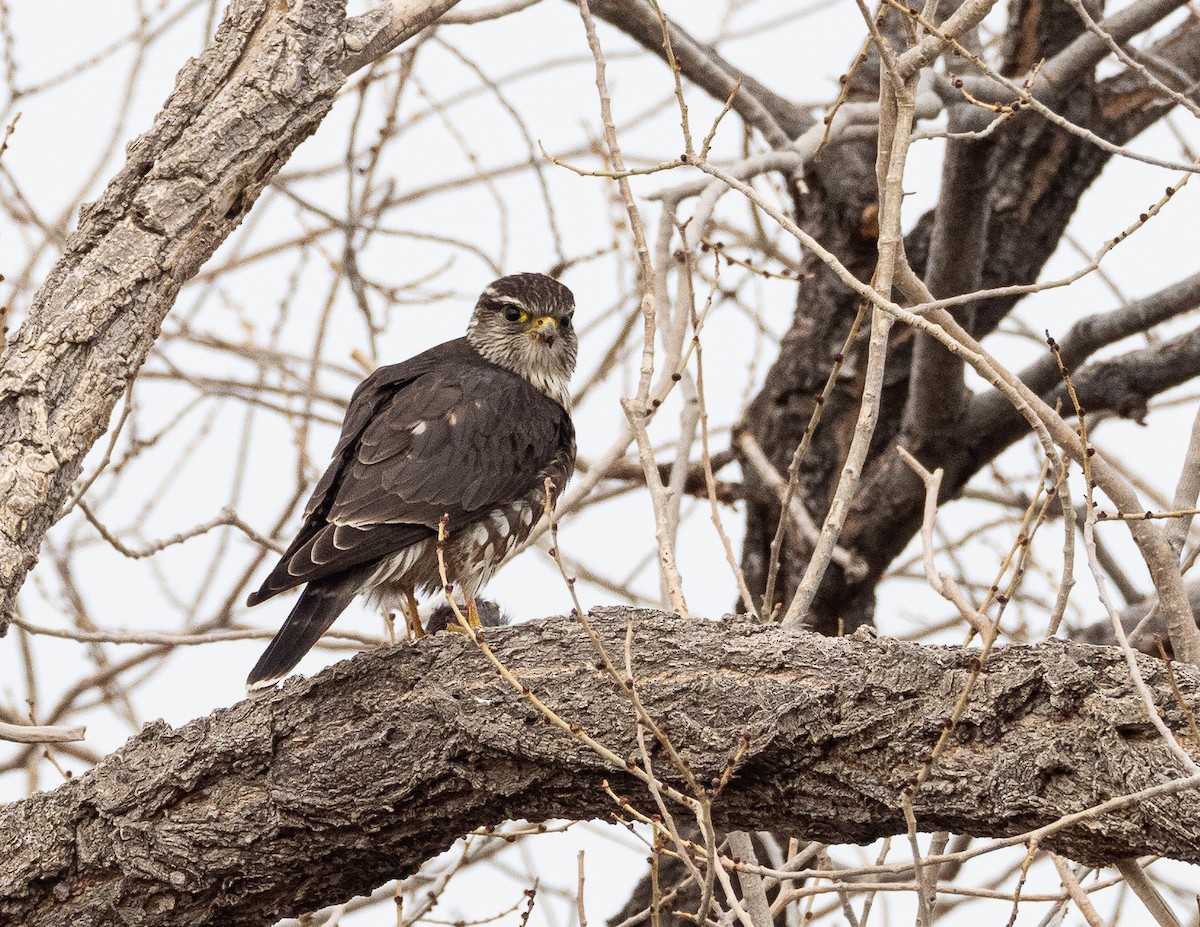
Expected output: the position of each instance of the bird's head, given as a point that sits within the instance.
(525, 323)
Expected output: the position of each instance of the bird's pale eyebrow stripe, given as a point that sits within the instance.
(510, 300)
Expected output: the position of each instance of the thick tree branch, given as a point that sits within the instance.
(374, 34)
(334, 785)
(779, 119)
(236, 114)
(937, 397)
(1078, 59)
(1123, 384)
(1085, 338)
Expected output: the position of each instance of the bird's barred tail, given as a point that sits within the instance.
(319, 604)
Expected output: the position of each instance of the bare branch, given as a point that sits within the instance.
(777, 118)
(1089, 335)
(374, 34)
(1136, 879)
(188, 182)
(1058, 75)
(339, 770)
(39, 734)
(1123, 384)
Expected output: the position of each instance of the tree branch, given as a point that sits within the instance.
(1123, 384)
(333, 785)
(40, 734)
(1080, 58)
(235, 116)
(372, 35)
(1085, 338)
(937, 396)
(779, 119)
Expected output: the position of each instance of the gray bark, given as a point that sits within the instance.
(1035, 176)
(235, 116)
(333, 785)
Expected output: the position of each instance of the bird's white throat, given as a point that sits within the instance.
(545, 369)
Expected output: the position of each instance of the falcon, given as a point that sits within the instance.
(469, 431)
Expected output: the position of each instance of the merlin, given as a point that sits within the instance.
(466, 434)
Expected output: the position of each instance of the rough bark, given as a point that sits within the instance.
(1036, 176)
(235, 116)
(333, 785)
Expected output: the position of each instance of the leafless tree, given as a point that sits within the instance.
(961, 459)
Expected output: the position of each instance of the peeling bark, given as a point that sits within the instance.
(330, 786)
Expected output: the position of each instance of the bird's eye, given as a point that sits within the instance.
(565, 324)
(513, 314)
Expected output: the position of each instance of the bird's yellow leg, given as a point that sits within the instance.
(473, 613)
(412, 616)
(471, 617)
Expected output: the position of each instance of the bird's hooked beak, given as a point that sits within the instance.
(544, 329)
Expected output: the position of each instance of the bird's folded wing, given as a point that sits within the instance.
(460, 441)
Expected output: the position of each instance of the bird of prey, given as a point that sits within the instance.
(469, 431)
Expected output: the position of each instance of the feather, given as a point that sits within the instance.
(454, 431)
(313, 613)
(385, 491)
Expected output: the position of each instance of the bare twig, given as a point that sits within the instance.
(40, 734)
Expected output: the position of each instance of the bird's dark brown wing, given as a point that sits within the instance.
(460, 438)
